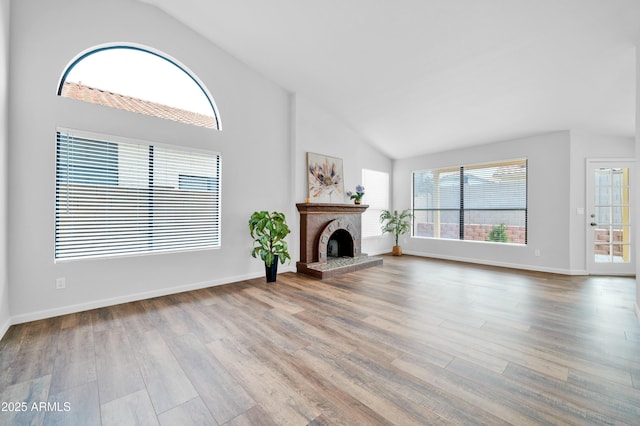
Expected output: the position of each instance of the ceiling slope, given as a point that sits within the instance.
(420, 76)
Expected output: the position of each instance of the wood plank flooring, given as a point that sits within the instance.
(413, 342)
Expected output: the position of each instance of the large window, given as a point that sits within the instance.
(116, 196)
(485, 202)
(376, 195)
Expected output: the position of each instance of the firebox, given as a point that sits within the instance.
(340, 244)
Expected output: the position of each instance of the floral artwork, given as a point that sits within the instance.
(326, 181)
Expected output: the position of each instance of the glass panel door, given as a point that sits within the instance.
(610, 247)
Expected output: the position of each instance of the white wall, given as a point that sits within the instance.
(548, 192)
(636, 216)
(254, 143)
(320, 132)
(4, 165)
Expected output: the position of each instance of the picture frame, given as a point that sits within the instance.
(325, 179)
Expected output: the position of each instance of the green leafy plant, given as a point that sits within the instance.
(498, 234)
(268, 231)
(395, 223)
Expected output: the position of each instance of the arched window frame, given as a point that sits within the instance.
(148, 50)
(88, 167)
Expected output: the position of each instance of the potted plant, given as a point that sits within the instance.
(357, 196)
(268, 231)
(397, 224)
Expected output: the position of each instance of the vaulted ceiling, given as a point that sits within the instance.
(420, 76)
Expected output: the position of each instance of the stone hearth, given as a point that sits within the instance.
(330, 242)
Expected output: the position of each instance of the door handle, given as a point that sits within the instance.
(593, 224)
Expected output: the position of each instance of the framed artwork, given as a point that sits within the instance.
(326, 181)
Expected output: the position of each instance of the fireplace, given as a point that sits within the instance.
(330, 241)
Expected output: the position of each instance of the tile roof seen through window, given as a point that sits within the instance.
(114, 100)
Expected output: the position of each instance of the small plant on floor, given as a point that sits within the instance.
(499, 234)
(397, 224)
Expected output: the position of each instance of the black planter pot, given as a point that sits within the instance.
(272, 271)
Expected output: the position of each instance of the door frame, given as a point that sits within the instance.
(594, 268)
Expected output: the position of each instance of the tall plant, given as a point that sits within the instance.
(268, 231)
(395, 223)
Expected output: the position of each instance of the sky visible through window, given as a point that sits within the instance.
(143, 75)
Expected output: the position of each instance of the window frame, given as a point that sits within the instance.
(373, 212)
(145, 49)
(461, 209)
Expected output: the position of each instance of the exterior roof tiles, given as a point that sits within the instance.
(114, 100)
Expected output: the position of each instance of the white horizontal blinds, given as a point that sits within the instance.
(436, 203)
(495, 201)
(124, 197)
(485, 202)
(376, 195)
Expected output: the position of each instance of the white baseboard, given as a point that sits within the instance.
(377, 252)
(500, 264)
(64, 310)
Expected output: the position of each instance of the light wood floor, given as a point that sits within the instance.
(415, 341)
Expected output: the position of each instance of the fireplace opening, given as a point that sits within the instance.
(340, 244)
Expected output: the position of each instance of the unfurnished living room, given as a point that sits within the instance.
(288, 212)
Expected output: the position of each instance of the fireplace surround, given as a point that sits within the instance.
(330, 239)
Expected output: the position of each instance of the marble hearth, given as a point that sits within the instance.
(330, 242)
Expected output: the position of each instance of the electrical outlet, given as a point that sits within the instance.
(537, 252)
(61, 283)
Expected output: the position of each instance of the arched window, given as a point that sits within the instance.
(117, 196)
(140, 80)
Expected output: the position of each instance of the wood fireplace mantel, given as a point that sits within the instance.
(329, 208)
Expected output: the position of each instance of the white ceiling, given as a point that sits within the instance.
(420, 76)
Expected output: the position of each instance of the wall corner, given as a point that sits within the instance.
(636, 216)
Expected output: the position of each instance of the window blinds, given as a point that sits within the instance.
(124, 197)
(376, 195)
(485, 202)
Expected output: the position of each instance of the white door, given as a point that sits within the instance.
(610, 249)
